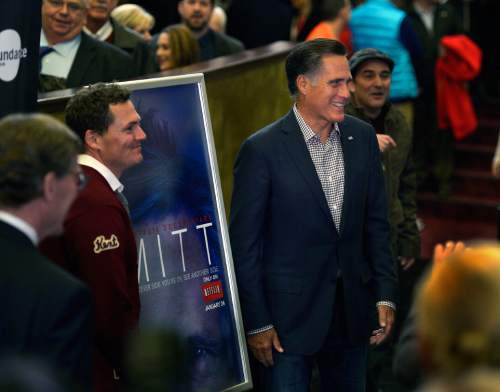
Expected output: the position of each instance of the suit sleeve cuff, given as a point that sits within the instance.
(260, 330)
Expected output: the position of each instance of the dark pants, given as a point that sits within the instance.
(341, 365)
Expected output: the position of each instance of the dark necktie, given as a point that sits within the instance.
(123, 200)
(44, 50)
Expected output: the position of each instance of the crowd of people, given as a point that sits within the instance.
(89, 41)
(365, 129)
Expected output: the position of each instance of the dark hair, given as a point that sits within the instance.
(32, 145)
(89, 107)
(321, 10)
(305, 59)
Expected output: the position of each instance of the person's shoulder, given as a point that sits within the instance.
(271, 130)
(96, 196)
(355, 123)
(104, 49)
(396, 115)
(50, 280)
(232, 42)
(125, 37)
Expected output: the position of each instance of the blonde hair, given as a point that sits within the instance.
(133, 16)
(458, 311)
(482, 380)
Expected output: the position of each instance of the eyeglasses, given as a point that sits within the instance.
(81, 179)
(58, 4)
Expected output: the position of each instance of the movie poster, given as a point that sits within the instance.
(186, 278)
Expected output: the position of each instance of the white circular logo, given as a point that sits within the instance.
(11, 54)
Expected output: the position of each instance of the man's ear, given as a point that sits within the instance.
(49, 183)
(92, 139)
(303, 84)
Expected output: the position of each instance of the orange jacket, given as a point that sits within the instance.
(460, 63)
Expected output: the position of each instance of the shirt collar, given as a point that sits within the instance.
(422, 11)
(113, 181)
(21, 225)
(306, 130)
(103, 33)
(63, 48)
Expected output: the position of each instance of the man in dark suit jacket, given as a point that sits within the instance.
(104, 254)
(195, 14)
(46, 312)
(69, 57)
(309, 232)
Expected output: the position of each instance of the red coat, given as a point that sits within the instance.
(98, 246)
(461, 63)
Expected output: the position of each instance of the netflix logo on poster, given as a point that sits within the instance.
(212, 291)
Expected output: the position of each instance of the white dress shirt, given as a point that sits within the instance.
(59, 61)
(113, 181)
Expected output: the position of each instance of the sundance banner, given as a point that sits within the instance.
(19, 48)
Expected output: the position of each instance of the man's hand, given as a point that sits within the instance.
(385, 142)
(386, 321)
(261, 345)
(406, 262)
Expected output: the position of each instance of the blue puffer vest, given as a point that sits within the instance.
(376, 24)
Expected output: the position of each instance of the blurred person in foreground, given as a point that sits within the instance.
(406, 362)
(481, 380)
(46, 312)
(176, 47)
(309, 232)
(453, 327)
(98, 245)
(457, 313)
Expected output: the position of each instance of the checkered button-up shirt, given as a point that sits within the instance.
(328, 160)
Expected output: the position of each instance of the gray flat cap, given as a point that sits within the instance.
(366, 54)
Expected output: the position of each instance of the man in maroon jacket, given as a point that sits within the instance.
(98, 244)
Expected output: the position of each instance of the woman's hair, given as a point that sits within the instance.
(133, 16)
(184, 46)
(458, 312)
(320, 10)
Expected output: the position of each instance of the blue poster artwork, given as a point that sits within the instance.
(183, 279)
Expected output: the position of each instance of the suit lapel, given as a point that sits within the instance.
(83, 60)
(349, 143)
(296, 147)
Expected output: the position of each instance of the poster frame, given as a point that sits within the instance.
(199, 80)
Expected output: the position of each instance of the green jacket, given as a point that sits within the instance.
(400, 180)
